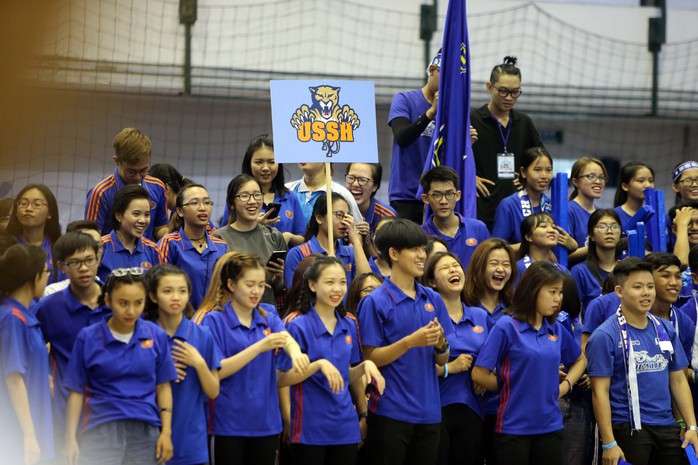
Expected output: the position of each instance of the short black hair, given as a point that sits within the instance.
(72, 242)
(693, 258)
(123, 199)
(660, 260)
(628, 266)
(399, 234)
(82, 224)
(439, 174)
(686, 203)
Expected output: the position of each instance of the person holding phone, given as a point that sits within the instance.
(246, 233)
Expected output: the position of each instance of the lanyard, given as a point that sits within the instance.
(505, 138)
(527, 209)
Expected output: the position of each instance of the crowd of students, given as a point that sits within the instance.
(430, 342)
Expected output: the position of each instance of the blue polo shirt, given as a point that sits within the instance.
(298, 253)
(22, 350)
(689, 310)
(377, 211)
(189, 427)
(248, 404)
(404, 182)
(119, 380)
(62, 317)
(599, 310)
(56, 274)
(604, 352)
(521, 266)
(290, 214)
(374, 267)
(176, 248)
(496, 314)
(101, 197)
(587, 284)
(317, 414)
(468, 337)
(527, 363)
(578, 219)
(508, 218)
(115, 255)
(470, 233)
(685, 330)
(411, 387)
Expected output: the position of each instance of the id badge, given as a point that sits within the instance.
(505, 165)
(666, 346)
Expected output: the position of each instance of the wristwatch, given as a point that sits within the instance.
(692, 428)
(444, 348)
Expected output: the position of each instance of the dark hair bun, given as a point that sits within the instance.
(510, 61)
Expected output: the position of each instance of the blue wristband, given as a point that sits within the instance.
(445, 370)
(605, 447)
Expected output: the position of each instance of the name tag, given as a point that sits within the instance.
(505, 165)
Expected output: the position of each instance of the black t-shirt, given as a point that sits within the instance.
(489, 143)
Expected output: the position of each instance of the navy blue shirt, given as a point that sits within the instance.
(298, 253)
(509, 216)
(599, 310)
(587, 284)
(470, 233)
(578, 219)
(115, 255)
(411, 387)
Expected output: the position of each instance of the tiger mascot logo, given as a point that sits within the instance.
(325, 120)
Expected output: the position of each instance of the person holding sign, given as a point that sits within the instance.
(503, 135)
(636, 365)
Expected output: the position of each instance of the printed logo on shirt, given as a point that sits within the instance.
(289, 214)
(646, 364)
(267, 331)
(478, 329)
(428, 307)
(146, 265)
(553, 337)
(348, 339)
(348, 267)
(152, 205)
(471, 241)
(147, 344)
(429, 130)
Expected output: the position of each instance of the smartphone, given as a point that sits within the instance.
(274, 208)
(277, 255)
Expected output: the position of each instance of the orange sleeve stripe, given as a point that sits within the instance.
(18, 314)
(382, 211)
(96, 197)
(155, 181)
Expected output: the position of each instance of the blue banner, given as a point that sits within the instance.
(451, 141)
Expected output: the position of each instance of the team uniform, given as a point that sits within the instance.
(588, 285)
(689, 310)
(307, 198)
(524, 263)
(298, 253)
(246, 415)
(599, 310)
(61, 317)
(656, 351)
(470, 233)
(56, 274)
(494, 140)
(189, 425)
(22, 351)
(101, 197)
(318, 414)
(461, 410)
(115, 255)
(176, 248)
(511, 212)
(121, 417)
(290, 215)
(377, 211)
(409, 411)
(578, 219)
(527, 360)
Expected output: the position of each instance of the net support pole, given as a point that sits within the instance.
(187, 17)
(330, 214)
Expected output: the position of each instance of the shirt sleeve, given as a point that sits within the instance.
(275, 323)
(210, 322)
(284, 362)
(161, 218)
(569, 349)
(503, 222)
(299, 225)
(165, 370)
(76, 372)
(209, 350)
(14, 352)
(679, 360)
(371, 323)
(356, 355)
(600, 352)
(94, 211)
(293, 258)
(495, 348)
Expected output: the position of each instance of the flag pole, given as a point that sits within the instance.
(330, 220)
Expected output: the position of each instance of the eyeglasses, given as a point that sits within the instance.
(131, 173)
(688, 182)
(367, 290)
(339, 215)
(607, 227)
(450, 195)
(360, 179)
(133, 271)
(77, 264)
(197, 203)
(35, 203)
(504, 92)
(591, 177)
(245, 197)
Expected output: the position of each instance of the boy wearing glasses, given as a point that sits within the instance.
(462, 235)
(63, 314)
(132, 157)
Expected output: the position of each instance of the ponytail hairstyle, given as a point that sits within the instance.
(235, 267)
(306, 297)
(19, 265)
(52, 228)
(475, 287)
(217, 294)
(579, 167)
(178, 221)
(592, 259)
(627, 173)
(508, 66)
(123, 199)
(152, 282)
(530, 223)
(539, 274)
(233, 188)
(122, 277)
(278, 184)
(320, 209)
(169, 175)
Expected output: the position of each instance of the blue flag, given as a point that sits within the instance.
(451, 141)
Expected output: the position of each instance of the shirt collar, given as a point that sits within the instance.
(234, 322)
(187, 245)
(522, 326)
(397, 294)
(318, 326)
(183, 330)
(118, 246)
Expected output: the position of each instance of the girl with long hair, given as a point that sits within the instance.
(635, 178)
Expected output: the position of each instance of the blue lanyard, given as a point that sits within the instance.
(505, 139)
